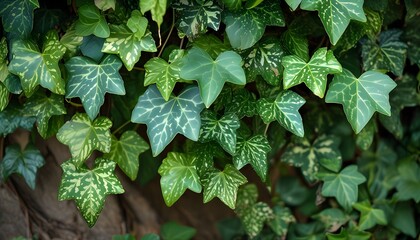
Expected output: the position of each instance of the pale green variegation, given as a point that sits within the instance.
(242, 104)
(165, 119)
(369, 216)
(83, 136)
(105, 4)
(221, 130)
(223, 184)
(71, 41)
(254, 151)
(179, 172)
(89, 81)
(335, 15)
(284, 109)
(312, 73)
(205, 152)
(4, 97)
(156, 7)
(38, 68)
(389, 54)
(211, 74)
(89, 187)
(295, 44)
(3, 59)
(125, 152)
(91, 21)
(24, 162)
(17, 16)
(14, 117)
(283, 217)
(362, 96)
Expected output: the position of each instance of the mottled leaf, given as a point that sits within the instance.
(365, 137)
(242, 104)
(91, 21)
(71, 41)
(18, 16)
(283, 217)
(332, 218)
(14, 117)
(4, 51)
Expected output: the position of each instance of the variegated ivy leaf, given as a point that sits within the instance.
(38, 68)
(246, 26)
(223, 184)
(91, 21)
(211, 45)
(44, 107)
(83, 136)
(89, 187)
(3, 59)
(264, 58)
(4, 97)
(362, 96)
(71, 41)
(369, 216)
(90, 81)
(164, 74)
(105, 4)
(211, 74)
(295, 44)
(221, 130)
(284, 109)
(14, 117)
(312, 73)
(179, 172)
(335, 15)
(365, 138)
(165, 119)
(254, 151)
(195, 16)
(18, 16)
(389, 54)
(205, 152)
(283, 217)
(125, 152)
(242, 104)
(156, 7)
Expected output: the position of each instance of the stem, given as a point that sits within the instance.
(121, 127)
(74, 104)
(169, 34)
(266, 129)
(182, 42)
(139, 68)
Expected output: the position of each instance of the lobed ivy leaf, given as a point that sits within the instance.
(156, 7)
(4, 96)
(408, 180)
(312, 73)
(369, 216)
(14, 117)
(362, 96)
(71, 41)
(24, 162)
(211, 74)
(179, 172)
(242, 104)
(18, 17)
(205, 152)
(126, 151)
(4, 51)
(91, 21)
(38, 68)
(90, 81)
(89, 187)
(165, 119)
(413, 40)
(83, 135)
(105, 4)
(332, 218)
(295, 44)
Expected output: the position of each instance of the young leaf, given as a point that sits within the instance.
(312, 73)
(211, 74)
(89, 187)
(83, 136)
(38, 68)
(125, 152)
(369, 216)
(179, 172)
(24, 162)
(91, 21)
(223, 184)
(90, 81)
(12, 118)
(156, 7)
(362, 96)
(165, 119)
(18, 16)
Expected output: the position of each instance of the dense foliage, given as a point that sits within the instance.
(217, 88)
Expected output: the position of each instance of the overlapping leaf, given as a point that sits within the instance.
(91, 21)
(3, 59)
(71, 41)
(105, 4)
(165, 119)
(369, 216)
(295, 44)
(242, 104)
(283, 217)
(4, 96)
(211, 45)
(156, 7)
(14, 117)
(18, 16)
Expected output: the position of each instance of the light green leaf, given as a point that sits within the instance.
(90, 81)
(91, 21)
(242, 104)
(281, 221)
(4, 97)
(137, 24)
(211, 74)
(83, 136)
(409, 180)
(312, 73)
(211, 45)
(89, 187)
(343, 185)
(175, 231)
(38, 68)
(125, 152)
(14, 117)
(232, 4)
(4, 51)
(18, 16)
(223, 184)
(284, 109)
(105, 4)
(293, 4)
(221, 130)
(335, 15)
(296, 44)
(362, 96)
(179, 172)
(165, 119)
(332, 218)
(365, 138)
(156, 7)
(369, 216)
(24, 162)
(71, 41)
(253, 151)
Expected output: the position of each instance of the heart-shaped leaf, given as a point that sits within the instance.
(18, 16)
(91, 21)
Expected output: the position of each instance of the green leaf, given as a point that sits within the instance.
(312, 73)
(24, 162)
(281, 221)
(179, 172)
(4, 51)
(365, 138)
(389, 54)
(242, 104)
(83, 136)
(413, 40)
(90, 81)
(332, 218)
(211, 45)
(369, 216)
(351, 234)
(343, 185)
(221, 130)
(293, 4)
(223, 184)
(18, 16)
(156, 7)
(4, 96)
(254, 151)
(165, 119)
(232, 4)
(175, 231)
(12, 118)
(362, 96)
(403, 219)
(211, 74)
(292, 191)
(335, 15)
(71, 41)
(408, 180)
(295, 44)
(125, 152)
(205, 152)
(91, 47)
(38, 68)
(89, 187)
(149, 236)
(105, 4)
(284, 109)
(91, 21)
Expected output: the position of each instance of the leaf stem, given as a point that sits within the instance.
(169, 34)
(266, 129)
(139, 68)
(121, 127)
(74, 104)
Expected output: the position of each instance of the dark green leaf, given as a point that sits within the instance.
(409, 180)
(175, 231)
(91, 22)
(403, 219)
(365, 138)
(18, 16)
(295, 44)
(211, 45)
(12, 118)
(369, 216)
(242, 103)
